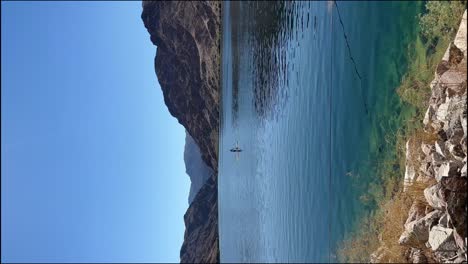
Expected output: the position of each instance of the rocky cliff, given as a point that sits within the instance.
(436, 229)
(187, 36)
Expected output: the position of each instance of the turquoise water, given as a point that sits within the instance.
(311, 112)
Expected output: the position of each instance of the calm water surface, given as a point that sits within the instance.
(310, 111)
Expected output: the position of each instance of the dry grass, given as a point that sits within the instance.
(383, 229)
(416, 139)
(415, 190)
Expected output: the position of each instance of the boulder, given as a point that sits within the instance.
(428, 116)
(456, 150)
(417, 232)
(416, 212)
(463, 124)
(447, 169)
(460, 38)
(436, 159)
(453, 77)
(417, 256)
(427, 149)
(444, 221)
(455, 130)
(440, 148)
(426, 169)
(441, 239)
(454, 195)
(464, 146)
(410, 172)
(442, 111)
(410, 175)
(434, 197)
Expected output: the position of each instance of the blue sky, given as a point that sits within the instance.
(92, 161)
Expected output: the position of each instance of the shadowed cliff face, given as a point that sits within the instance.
(187, 66)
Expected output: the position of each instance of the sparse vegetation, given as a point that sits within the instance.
(381, 228)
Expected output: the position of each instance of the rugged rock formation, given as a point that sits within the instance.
(187, 65)
(187, 62)
(195, 167)
(443, 232)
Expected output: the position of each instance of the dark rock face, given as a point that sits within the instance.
(187, 65)
(195, 167)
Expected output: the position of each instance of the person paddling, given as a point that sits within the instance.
(236, 148)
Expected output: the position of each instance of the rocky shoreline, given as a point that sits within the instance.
(435, 230)
(187, 64)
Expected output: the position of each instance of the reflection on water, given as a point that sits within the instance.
(292, 99)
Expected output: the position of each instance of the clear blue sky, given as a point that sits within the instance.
(92, 161)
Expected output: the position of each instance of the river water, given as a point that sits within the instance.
(308, 93)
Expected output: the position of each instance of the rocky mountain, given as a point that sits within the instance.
(187, 64)
(195, 167)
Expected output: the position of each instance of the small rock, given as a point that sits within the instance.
(426, 169)
(442, 111)
(463, 170)
(444, 220)
(429, 114)
(410, 175)
(434, 196)
(456, 151)
(463, 124)
(427, 149)
(416, 212)
(447, 169)
(417, 256)
(441, 239)
(440, 148)
(437, 159)
(460, 38)
(464, 144)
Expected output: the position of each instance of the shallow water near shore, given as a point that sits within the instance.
(308, 92)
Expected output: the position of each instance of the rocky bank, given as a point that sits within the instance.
(187, 64)
(436, 229)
